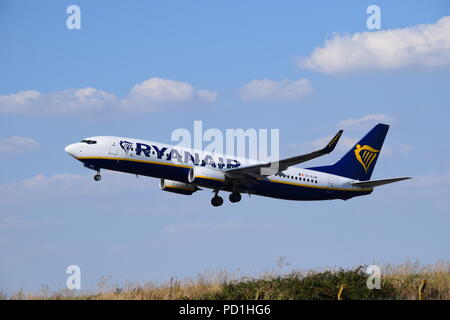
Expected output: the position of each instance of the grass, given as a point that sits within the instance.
(397, 282)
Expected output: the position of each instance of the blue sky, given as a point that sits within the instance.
(52, 214)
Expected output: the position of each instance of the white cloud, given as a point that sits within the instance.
(361, 125)
(148, 95)
(421, 45)
(157, 92)
(15, 103)
(72, 181)
(344, 144)
(17, 144)
(42, 186)
(397, 150)
(39, 187)
(60, 181)
(207, 95)
(162, 90)
(59, 102)
(431, 179)
(366, 121)
(266, 89)
(405, 149)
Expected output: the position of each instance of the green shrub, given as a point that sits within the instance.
(314, 285)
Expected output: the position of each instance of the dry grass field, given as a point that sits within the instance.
(398, 282)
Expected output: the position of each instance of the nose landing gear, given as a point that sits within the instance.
(97, 177)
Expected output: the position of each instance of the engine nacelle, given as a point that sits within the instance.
(177, 187)
(206, 177)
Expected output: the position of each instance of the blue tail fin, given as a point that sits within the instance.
(359, 162)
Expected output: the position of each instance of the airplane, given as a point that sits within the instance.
(185, 171)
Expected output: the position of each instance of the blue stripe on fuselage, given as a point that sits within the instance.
(154, 170)
(265, 188)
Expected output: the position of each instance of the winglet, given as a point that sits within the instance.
(332, 144)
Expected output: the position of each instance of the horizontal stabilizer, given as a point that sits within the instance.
(376, 183)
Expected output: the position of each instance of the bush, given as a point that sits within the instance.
(314, 285)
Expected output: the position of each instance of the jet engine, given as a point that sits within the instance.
(177, 187)
(207, 177)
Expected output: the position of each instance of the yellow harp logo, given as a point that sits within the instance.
(365, 155)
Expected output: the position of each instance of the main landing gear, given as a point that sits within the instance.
(97, 177)
(235, 197)
(217, 201)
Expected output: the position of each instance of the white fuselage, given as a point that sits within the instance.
(170, 162)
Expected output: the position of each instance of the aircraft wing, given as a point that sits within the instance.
(376, 183)
(270, 168)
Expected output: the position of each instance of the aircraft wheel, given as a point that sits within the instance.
(217, 201)
(97, 177)
(235, 197)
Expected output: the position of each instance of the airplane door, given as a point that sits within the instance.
(112, 146)
(330, 185)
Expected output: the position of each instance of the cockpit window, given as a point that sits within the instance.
(89, 141)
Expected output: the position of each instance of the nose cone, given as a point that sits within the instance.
(71, 149)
